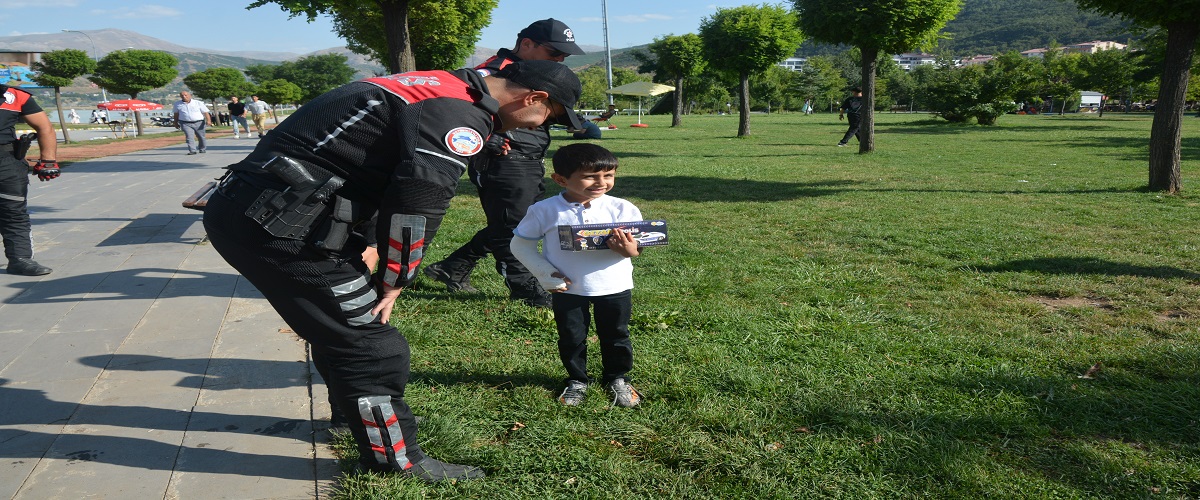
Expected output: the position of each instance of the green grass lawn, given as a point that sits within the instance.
(916, 322)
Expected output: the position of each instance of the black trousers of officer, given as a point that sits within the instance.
(854, 122)
(324, 298)
(506, 190)
(14, 214)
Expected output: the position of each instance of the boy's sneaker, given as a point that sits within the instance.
(573, 394)
(624, 394)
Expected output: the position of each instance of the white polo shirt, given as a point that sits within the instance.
(592, 272)
(191, 111)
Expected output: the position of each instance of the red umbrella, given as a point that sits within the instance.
(129, 105)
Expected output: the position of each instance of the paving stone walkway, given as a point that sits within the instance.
(144, 366)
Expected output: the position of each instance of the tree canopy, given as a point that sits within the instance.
(133, 71)
(745, 40)
(314, 75)
(382, 29)
(218, 83)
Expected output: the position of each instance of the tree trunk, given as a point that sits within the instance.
(137, 121)
(62, 123)
(676, 119)
(1168, 112)
(744, 102)
(395, 27)
(866, 128)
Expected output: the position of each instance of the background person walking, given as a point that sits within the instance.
(258, 113)
(237, 114)
(850, 107)
(191, 116)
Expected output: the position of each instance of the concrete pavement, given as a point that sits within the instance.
(144, 366)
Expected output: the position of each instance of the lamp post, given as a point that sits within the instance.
(103, 93)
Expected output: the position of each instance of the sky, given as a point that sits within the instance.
(227, 25)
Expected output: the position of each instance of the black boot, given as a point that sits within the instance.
(455, 275)
(530, 292)
(433, 471)
(26, 267)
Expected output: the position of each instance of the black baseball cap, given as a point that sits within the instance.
(554, 33)
(552, 78)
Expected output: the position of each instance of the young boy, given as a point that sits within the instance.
(599, 279)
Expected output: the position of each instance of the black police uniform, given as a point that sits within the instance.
(851, 107)
(14, 175)
(508, 184)
(400, 143)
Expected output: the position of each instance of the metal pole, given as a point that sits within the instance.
(607, 51)
(94, 58)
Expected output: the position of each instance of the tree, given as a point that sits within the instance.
(58, 68)
(382, 29)
(1060, 77)
(983, 92)
(315, 75)
(134, 71)
(748, 39)
(218, 83)
(874, 27)
(276, 92)
(259, 73)
(1181, 20)
(678, 58)
(447, 29)
(1109, 71)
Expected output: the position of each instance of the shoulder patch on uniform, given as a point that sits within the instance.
(9, 97)
(484, 72)
(464, 141)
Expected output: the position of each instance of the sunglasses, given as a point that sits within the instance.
(553, 51)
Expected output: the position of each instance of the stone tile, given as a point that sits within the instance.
(108, 311)
(23, 447)
(65, 356)
(251, 449)
(119, 462)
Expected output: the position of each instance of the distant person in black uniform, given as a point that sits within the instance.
(16, 106)
(509, 177)
(850, 107)
(395, 146)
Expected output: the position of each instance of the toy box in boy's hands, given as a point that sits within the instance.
(581, 237)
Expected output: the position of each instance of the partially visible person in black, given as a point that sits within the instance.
(16, 106)
(394, 146)
(850, 107)
(589, 131)
(509, 177)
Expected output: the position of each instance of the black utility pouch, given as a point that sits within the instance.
(21, 147)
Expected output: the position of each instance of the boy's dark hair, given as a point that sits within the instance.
(583, 157)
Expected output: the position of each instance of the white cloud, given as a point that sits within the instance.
(643, 18)
(142, 12)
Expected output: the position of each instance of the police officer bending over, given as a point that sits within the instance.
(397, 145)
(18, 105)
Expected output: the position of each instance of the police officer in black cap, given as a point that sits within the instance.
(509, 177)
(394, 146)
(17, 105)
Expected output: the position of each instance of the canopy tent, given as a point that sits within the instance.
(640, 89)
(129, 105)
